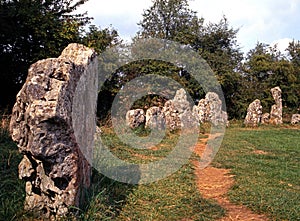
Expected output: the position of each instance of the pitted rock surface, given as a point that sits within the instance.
(254, 114)
(295, 119)
(155, 118)
(42, 124)
(265, 118)
(276, 110)
(135, 118)
(178, 113)
(210, 110)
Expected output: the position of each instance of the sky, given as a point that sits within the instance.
(266, 21)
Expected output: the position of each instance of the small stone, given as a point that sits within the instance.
(265, 118)
(295, 119)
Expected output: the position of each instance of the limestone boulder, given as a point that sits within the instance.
(265, 118)
(171, 114)
(200, 111)
(295, 119)
(210, 110)
(155, 118)
(178, 112)
(214, 108)
(135, 118)
(58, 93)
(276, 109)
(254, 114)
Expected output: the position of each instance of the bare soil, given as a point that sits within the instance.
(214, 183)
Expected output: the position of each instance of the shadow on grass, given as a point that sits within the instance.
(106, 198)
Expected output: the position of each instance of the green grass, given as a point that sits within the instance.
(12, 190)
(267, 181)
(174, 198)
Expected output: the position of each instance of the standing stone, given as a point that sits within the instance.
(210, 110)
(214, 108)
(254, 113)
(183, 107)
(200, 111)
(276, 110)
(155, 118)
(135, 118)
(45, 126)
(265, 118)
(171, 116)
(295, 119)
(178, 113)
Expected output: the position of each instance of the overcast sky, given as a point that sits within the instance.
(266, 21)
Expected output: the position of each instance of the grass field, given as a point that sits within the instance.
(265, 163)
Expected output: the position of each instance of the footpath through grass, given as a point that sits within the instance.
(174, 198)
(266, 162)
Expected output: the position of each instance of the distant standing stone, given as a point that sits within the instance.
(135, 118)
(210, 110)
(295, 119)
(276, 109)
(155, 118)
(254, 113)
(265, 119)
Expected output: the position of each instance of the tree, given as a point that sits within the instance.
(100, 39)
(170, 20)
(217, 44)
(32, 30)
(265, 68)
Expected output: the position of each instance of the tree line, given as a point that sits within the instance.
(31, 30)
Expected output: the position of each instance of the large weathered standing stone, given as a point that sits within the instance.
(276, 110)
(200, 111)
(210, 110)
(135, 118)
(254, 114)
(214, 108)
(53, 123)
(171, 116)
(178, 112)
(295, 119)
(155, 118)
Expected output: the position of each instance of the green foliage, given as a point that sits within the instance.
(12, 193)
(141, 68)
(218, 46)
(34, 30)
(266, 68)
(170, 20)
(174, 20)
(100, 39)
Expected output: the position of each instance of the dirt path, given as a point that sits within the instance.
(214, 183)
